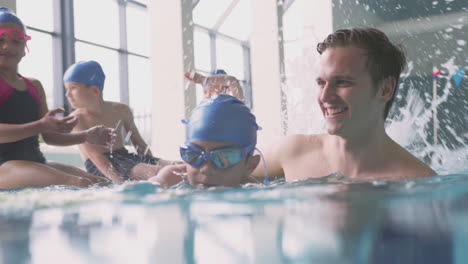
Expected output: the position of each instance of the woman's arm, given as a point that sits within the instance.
(56, 130)
(53, 136)
(47, 121)
(15, 132)
(11, 133)
(97, 135)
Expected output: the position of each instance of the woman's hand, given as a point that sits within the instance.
(51, 123)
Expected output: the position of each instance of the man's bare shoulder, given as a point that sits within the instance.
(406, 165)
(298, 144)
(417, 168)
(301, 156)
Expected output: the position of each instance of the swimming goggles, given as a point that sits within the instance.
(222, 158)
(14, 33)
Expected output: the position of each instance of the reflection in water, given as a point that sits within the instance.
(316, 221)
(14, 239)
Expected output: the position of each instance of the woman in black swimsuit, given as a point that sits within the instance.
(24, 115)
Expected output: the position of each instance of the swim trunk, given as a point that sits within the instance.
(122, 162)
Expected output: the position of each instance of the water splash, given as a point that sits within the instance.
(412, 127)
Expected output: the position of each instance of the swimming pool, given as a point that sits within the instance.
(327, 220)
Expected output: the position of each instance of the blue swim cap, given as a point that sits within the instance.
(222, 118)
(7, 15)
(215, 72)
(86, 72)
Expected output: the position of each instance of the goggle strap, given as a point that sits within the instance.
(266, 180)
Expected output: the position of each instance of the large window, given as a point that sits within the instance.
(221, 33)
(112, 32)
(38, 62)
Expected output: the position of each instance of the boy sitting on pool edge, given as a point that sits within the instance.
(84, 83)
(218, 150)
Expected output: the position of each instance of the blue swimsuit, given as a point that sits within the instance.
(19, 107)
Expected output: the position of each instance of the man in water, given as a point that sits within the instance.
(219, 147)
(357, 81)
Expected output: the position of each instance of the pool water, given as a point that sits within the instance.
(328, 220)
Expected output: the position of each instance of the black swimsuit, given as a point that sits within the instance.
(122, 162)
(19, 107)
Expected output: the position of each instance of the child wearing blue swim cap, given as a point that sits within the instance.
(219, 146)
(84, 82)
(24, 115)
(218, 82)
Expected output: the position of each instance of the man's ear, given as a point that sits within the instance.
(387, 89)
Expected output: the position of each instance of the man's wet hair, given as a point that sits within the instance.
(384, 58)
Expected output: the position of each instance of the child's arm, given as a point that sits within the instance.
(100, 161)
(91, 152)
(136, 139)
(97, 135)
(227, 84)
(58, 131)
(169, 175)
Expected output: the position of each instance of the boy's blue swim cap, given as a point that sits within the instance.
(86, 72)
(7, 15)
(215, 72)
(222, 118)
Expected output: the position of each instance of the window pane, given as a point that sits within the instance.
(140, 93)
(207, 13)
(239, 23)
(109, 61)
(294, 28)
(27, 11)
(97, 21)
(229, 56)
(201, 46)
(38, 62)
(145, 2)
(138, 30)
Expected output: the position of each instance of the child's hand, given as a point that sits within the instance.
(217, 84)
(101, 135)
(170, 175)
(195, 77)
(51, 123)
